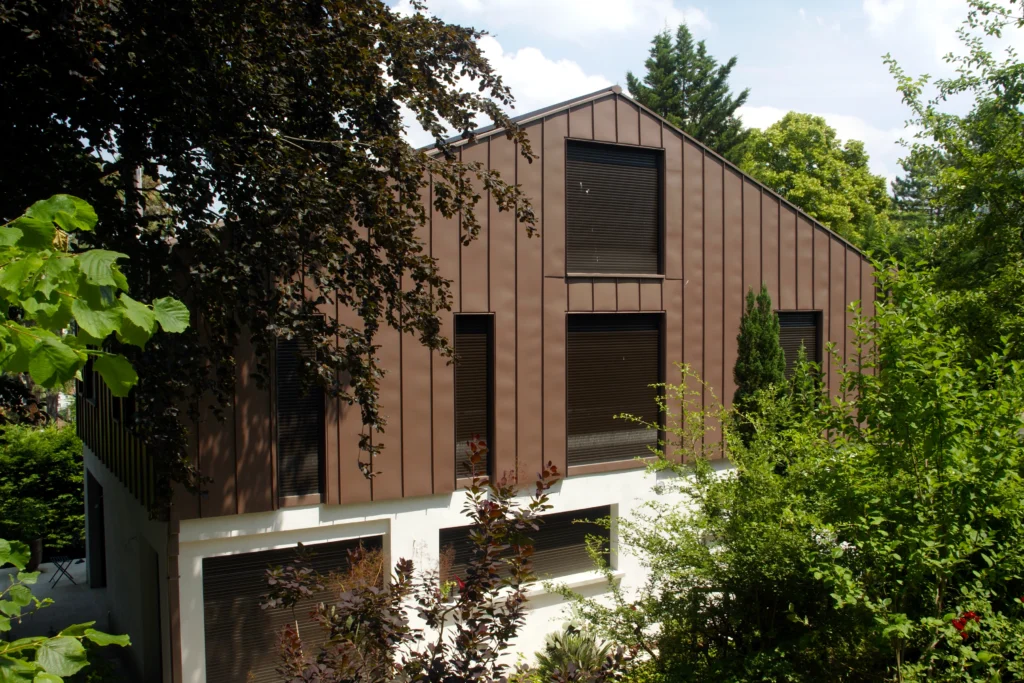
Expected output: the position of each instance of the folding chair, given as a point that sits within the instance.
(61, 563)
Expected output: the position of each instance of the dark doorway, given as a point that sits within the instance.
(96, 536)
(152, 642)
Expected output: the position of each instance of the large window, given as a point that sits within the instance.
(559, 547)
(796, 328)
(474, 378)
(612, 361)
(613, 209)
(242, 638)
(300, 425)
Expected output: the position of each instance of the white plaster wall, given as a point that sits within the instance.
(126, 527)
(410, 528)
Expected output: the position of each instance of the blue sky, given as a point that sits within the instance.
(821, 57)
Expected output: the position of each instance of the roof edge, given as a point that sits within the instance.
(616, 91)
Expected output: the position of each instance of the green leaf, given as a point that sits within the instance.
(14, 275)
(56, 274)
(9, 236)
(20, 595)
(117, 372)
(5, 626)
(61, 656)
(28, 578)
(14, 552)
(17, 671)
(99, 323)
(74, 213)
(139, 313)
(104, 639)
(171, 314)
(43, 677)
(9, 608)
(52, 362)
(97, 266)
(77, 630)
(36, 233)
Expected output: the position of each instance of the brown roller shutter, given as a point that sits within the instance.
(474, 378)
(613, 209)
(612, 361)
(559, 547)
(241, 637)
(300, 425)
(796, 328)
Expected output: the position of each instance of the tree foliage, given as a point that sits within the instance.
(690, 88)
(889, 545)
(39, 659)
(45, 286)
(976, 185)
(41, 483)
(281, 181)
(802, 158)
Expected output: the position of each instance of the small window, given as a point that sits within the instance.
(559, 547)
(300, 424)
(796, 328)
(612, 209)
(613, 359)
(89, 381)
(474, 379)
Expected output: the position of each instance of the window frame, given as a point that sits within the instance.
(662, 209)
(491, 350)
(303, 499)
(819, 324)
(626, 463)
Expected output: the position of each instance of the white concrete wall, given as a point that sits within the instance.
(410, 528)
(128, 530)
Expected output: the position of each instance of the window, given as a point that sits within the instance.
(612, 361)
(612, 209)
(474, 378)
(89, 381)
(796, 328)
(300, 425)
(241, 637)
(560, 546)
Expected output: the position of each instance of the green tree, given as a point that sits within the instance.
(275, 140)
(761, 362)
(39, 659)
(802, 159)
(690, 88)
(978, 188)
(41, 484)
(916, 216)
(890, 546)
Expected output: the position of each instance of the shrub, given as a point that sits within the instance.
(41, 485)
(572, 650)
(880, 539)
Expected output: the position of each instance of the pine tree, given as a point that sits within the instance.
(761, 361)
(690, 88)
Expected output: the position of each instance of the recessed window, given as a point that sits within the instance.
(559, 547)
(300, 424)
(474, 379)
(796, 328)
(612, 209)
(613, 359)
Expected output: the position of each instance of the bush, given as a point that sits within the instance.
(875, 540)
(41, 485)
(572, 650)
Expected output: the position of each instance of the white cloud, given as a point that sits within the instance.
(882, 144)
(574, 20)
(535, 80)
(882, 13)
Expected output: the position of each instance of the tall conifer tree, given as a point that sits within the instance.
(690, 88)
(761, 361)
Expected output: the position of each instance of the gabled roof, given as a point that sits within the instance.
(616, 91)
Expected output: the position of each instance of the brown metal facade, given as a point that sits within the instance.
(722, 234)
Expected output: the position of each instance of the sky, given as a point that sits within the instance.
(822, 57)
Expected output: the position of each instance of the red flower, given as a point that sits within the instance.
(461, 583)
(972, 615)
(959, 624)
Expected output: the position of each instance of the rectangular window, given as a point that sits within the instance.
(612, 209)
(612, 361)
(300, 424)
(474, 395)
(559, 547)
(242, 639)
(796, 328)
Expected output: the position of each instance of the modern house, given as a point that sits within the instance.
(649, 242)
